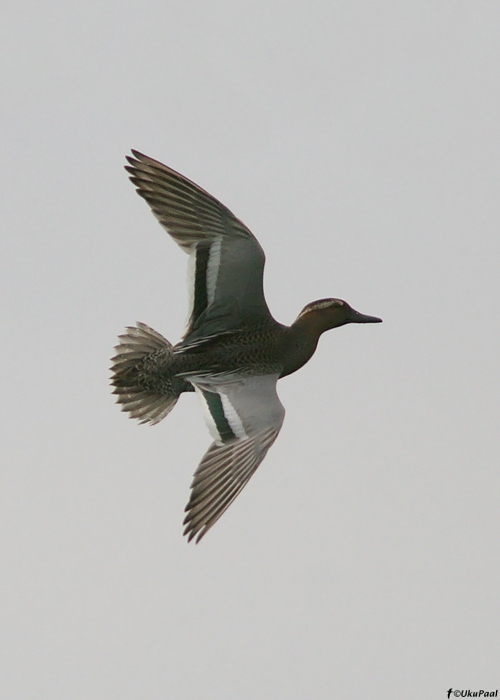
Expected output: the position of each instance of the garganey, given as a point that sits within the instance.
(233, 351)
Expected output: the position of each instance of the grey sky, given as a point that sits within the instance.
(360, 143)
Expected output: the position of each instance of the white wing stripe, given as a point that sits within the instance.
(191, 276)
(213, 266)
(209, 419)
(232, 417)
(221, 417)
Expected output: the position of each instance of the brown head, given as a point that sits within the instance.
(314, 319)
(321, 315)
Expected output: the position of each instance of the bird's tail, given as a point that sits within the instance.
(140, 374)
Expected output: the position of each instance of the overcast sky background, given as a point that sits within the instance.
(360, 143)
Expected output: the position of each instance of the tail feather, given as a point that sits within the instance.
(140, 385)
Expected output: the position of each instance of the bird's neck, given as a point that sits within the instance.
(301, 343)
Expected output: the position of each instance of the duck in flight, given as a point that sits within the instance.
(233, 351)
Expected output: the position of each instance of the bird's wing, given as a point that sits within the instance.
(226, 260)
(244, 415)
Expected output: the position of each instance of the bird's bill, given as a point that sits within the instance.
(356, 317)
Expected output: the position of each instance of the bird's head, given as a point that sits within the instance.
(321, 315)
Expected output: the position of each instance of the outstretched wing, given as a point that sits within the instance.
(244, 415)
(226, 260)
